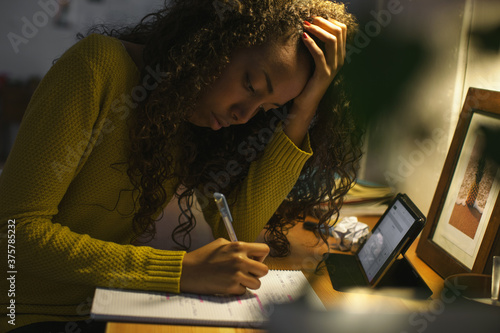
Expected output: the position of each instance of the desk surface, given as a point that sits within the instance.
(306, 252)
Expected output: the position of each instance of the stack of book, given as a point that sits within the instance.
(366, 198)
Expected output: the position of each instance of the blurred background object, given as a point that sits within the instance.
(35, 33)
(14, 98)
(409, 72)
(366, 315)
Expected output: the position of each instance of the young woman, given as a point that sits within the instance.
(202, 96)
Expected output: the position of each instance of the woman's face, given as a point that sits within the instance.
(259, 77)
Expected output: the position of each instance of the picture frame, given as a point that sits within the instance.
(462, 233)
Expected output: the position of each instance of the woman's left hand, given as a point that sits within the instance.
(327, 65)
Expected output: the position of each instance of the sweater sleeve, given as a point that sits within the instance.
(267, 184)
(67, 103)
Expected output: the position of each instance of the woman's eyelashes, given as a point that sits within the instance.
(249, 85)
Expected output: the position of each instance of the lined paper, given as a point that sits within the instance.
(249, 310)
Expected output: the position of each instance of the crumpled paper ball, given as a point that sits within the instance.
(349, 234)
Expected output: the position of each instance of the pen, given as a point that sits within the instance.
(221, 202)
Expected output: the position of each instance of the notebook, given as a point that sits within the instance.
(249, 310)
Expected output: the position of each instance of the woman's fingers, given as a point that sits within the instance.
(333, 34)
(316, 52)
(327, 64)
(340, 30)
(258, 251)
(335, 28)
(252, 255)
(250, 281)
(222, 267)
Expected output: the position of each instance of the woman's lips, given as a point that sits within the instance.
(215, 124)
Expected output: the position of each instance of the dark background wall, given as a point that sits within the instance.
(409, 78)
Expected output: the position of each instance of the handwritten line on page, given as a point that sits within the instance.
(249, 310)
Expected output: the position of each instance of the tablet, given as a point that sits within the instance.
(391, 236)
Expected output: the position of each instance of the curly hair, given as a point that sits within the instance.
(191, 42)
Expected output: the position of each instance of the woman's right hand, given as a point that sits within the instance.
(327, 64)
(223, 267)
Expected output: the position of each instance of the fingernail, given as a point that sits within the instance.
(307, 23)
(304, 35)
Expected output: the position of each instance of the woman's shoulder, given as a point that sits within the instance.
(102, 53)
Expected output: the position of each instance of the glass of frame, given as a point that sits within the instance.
(462, 230)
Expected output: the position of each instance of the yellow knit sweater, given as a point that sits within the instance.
(65, 186)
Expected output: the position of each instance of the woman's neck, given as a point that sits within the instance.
(135, 52)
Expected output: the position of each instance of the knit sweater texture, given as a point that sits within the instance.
(66, 201)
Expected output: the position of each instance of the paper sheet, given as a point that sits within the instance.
(249, 310)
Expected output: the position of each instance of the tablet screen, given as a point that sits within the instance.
(385, 239)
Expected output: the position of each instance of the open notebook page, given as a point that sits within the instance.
(249, 310)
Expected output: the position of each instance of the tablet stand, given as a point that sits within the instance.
(402, 274)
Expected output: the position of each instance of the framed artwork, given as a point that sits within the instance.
(462, 230)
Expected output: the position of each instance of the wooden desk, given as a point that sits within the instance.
(306, 252)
